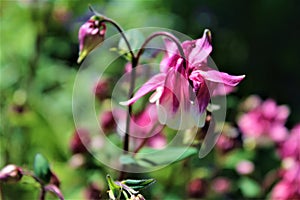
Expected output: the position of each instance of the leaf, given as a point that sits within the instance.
(249, 187)
(149, 157)
(115, 190)
(233, 158)
(138, 184)
(41, 168)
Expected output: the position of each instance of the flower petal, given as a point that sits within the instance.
(219, 77)
(197, 51)
(153, 83)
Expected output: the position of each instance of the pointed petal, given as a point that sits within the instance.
(198, 50)
(150, 85)
(219, 77)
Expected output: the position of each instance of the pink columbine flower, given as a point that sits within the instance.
(183, 93)
(265, 122)
(90, 35)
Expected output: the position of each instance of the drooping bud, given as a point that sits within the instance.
(102, 90)
(107, 121)
(80, 139)
(197, 188)
(11, 174)
(90, 35)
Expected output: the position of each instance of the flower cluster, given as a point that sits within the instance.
(288, 187)
(264, 121)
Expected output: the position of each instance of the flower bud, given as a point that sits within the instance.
(221, 185)
(92, 192)
(79, 141)
(197, 188)
(90, 35)
(138, 197)
(102, 90)
(107, 121)
(11, 174)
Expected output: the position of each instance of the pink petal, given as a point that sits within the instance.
(197, 51)
(219, 77)
(150, 85)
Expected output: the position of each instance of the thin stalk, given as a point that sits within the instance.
(168, 35)
(42, 195)
(132, 80)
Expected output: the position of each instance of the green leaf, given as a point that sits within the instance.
(249, 187)
(115, 190)
(138, 184)
(233, 158)
(41, 168)
(149, 157)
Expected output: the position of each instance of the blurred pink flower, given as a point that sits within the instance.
(244, 167)
(79, 140)
(228, 139)
(291, 147)
(90, 35)
(284, 190)
(183, 92)
(107, 121)
(143, 126)
(102, 89)
(292, 173)
(197, 188)
(221, 185)
(266, 120)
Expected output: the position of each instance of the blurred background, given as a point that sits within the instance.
(39, 49)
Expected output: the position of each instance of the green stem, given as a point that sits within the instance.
(134, 62)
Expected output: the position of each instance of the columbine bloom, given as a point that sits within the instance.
(183, 91)
(91, 34)
(265, 122)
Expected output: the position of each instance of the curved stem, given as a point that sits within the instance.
(132, 79)
(168, 35)
(121, 31)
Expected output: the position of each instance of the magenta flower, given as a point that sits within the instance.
(285, 190)
(183, 93)
(265, 122)
(288, 187)
(291, 146)
(91, 34)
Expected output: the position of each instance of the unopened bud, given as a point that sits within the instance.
(107, 121)
(91, 34)
(102, 90)
(79, 141)
(11, 174)
(138, 197)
